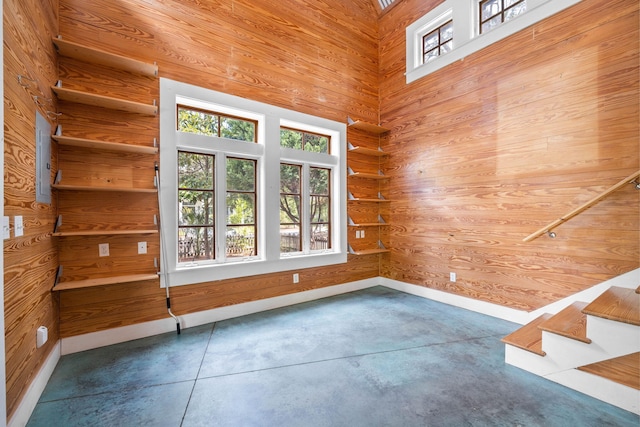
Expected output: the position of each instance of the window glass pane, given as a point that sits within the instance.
(240, 241)
(515, 11)
(195, 171)
(290, 179)
(199, 122)
(241, 208)
(195, 207)
(316, 143)
(319, 181)
(319, 209)
(492, 23)
(290, 239)
(242, 130)
(430, 56)
(509, 3)
(490, 8)
(290, 138)
(446, 32)
(290, 206)
(447, 47)
(195, 244)
(430, 40)
(241, 175)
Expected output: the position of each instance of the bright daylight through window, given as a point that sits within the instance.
(223, 212)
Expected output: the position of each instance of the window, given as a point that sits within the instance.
(476, 25)
(247, 188)
(495, 12)
(437, 42)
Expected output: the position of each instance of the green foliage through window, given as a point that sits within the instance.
(213, 124)
(306, 141)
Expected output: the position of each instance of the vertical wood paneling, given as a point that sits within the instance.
(30, 260)
(491, 148)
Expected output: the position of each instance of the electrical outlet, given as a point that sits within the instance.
(357, 234)
(6, 229)
(19, 226)
(452, 277)
(362, 234)
(296, 277)
(142, 248)
(103, 249)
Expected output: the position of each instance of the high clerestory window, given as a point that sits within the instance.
(437, 42)
(495, 12)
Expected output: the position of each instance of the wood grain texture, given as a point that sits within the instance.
(624, 370)
(570, 322)
(29, 260)
(619, 304)
(491, 148)
(529, 337)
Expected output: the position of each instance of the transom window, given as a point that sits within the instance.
(495, 12)
(306, 141)
(202, 122)
(437, 42)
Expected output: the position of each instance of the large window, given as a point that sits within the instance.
(247, 188)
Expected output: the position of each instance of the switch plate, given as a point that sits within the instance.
(452, 277)
(142, 248)
(296, 277)
(362, 234)
(42, 335)
(103, 249)
(19, 225)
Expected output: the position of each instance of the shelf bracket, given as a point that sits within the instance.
(155, 219)
(380, 196)
(58, 276)
(58, 130)
(381, 220)
(351, 251)
(155, 142)
(58, 224)
(380, 245)
(59, 83)
(58, 177)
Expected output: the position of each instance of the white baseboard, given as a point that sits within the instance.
(30, 399)
(141, 330)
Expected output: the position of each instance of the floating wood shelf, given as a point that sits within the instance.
(368, 175)
(369, 224)
(103, 145)
(370, 251)
(367, 151)
(96, 100)
(88, 283)
(100, 57)
(102, 232)
(358, 199)
(114, 189)
(368, 127)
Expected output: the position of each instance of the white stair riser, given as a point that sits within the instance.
(528, 361)
(617, 337)
(600, 388)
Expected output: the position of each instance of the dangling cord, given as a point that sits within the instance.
(165, 270)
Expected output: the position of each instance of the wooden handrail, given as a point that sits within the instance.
(547, 228)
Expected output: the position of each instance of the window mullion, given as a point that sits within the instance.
(305, 222)
(220, 225)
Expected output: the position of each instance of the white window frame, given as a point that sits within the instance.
(466, 31)
(269, 155)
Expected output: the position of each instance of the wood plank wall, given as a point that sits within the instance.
(315, 57)
(493, 147)
(30, 260)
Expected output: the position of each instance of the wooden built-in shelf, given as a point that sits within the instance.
(370, 251)
(368, 175)
(100, 57)
(359, 199)
(95, 100)
(368, 127)
(88, 283)
(103, 232)
(113, 189)
(367, 151)
(103, 145)
(369, 224)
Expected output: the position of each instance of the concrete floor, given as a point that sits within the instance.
(376, 357)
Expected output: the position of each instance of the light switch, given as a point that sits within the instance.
(19, 227)
(6, 231)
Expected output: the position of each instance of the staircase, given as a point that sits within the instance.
(592, 347)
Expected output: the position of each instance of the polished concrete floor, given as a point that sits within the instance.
(376, 357)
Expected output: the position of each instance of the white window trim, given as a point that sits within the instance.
(466, 37)
(270, 155)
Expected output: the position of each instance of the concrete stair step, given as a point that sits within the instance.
(619, 304)
(570, 323)
(528, 337)
(624, 370)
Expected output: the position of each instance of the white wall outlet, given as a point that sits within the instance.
(362, 234)
(42, 335)
(103, 249)
(142, 248)
(357, 234)
(296, 277)
(19, 225)
(452, 277)
(6, 229)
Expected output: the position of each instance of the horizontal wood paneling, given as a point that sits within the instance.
(315, 57)
(29, 260)
(491, 148)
